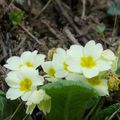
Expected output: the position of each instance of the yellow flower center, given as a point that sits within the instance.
(87, 62)
(20, 65)
(25, 85)
(29, 64)
(66, 67)
(94, 81)
(51, 72)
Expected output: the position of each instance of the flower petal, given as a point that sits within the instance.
(26, 95)
(13, 63)
(45, 106)
(46, 66)
(12, 79)
(52, 79)
(13, 93)
(61, 74)
(45, 103)
(59, 59)
(102, 89)
(103, 65)
(28, 56)
(36, 97)
(59, 53)
(38, 80)
(108, 55)
(38, 60)
(75, 68)
(91, 49)
(89, 73)
(75, 51)
(75, 76)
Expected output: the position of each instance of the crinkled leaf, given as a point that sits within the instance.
(69, 99)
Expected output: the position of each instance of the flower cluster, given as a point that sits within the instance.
(87, 63)
(24, 81)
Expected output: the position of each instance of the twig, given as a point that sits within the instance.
(43, 9)
(69, 19)
(70, 36)
(30, 45)
(118, 116)
(2, 70)
(30, 34)
(115, 21)
(9, 5)
(54, 32)
(83, 10)
(3, 48)
(9, 43)
(20, 44)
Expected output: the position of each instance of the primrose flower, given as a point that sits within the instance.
(87, 60)
(50, 70)
(41, 99)
(60, 63)
(28, 59)
(58, 67)
(108, 55)
(22, 83)
(99, 84)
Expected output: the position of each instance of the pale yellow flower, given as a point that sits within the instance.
(41, 99)
(22, 83)
(28, 59)
(87, 60)
(99, 84)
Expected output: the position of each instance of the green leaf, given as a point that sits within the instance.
(93, 101)
(69, 99)
(114, 9)
(100, 28)
(16, 16)
(101, 115)
(8, 107)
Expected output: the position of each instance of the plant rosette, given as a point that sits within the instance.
(80, 69)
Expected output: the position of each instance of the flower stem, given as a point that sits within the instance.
(25, 117)
(15, 111)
